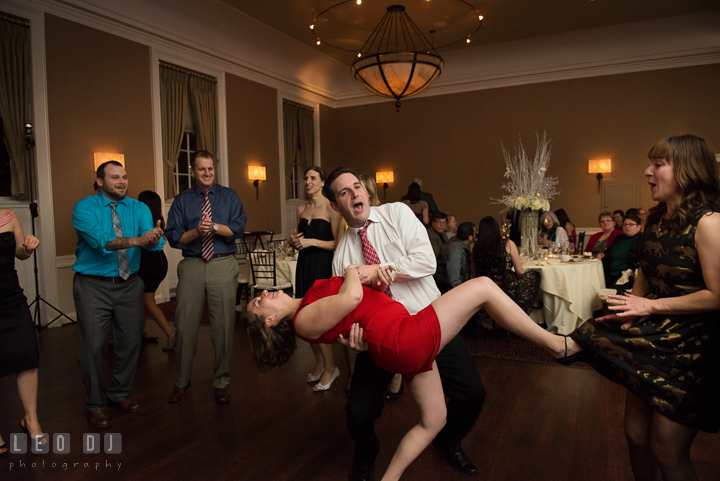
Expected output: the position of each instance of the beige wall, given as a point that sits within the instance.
(98, 88)
(452, 142)
(252, 125)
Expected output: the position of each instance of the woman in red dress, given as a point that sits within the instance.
(397, 341)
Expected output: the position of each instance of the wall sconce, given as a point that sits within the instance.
(384, 178)
(256, 173)
(599, 167)
(102, 157)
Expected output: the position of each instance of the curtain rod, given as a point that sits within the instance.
(16, 20)
(187, 71)
(290, 102)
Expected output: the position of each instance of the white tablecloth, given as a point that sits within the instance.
(569, 293)
(285, 271)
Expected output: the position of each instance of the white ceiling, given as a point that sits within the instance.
(504, 20)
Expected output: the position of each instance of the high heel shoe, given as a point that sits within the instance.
(310, 378)
(41, 437)
(171, 342)
(567, 360)
(394, 396)
(324, 387)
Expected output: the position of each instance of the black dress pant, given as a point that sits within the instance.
(461, 383)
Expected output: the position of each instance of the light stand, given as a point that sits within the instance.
(37, 321)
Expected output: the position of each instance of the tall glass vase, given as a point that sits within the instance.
(529, 233)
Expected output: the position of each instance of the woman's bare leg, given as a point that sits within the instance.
(27, 386)
(319, 365)
(670, 443)
(638, 425)
(157, 314)
(328, 362)
(456, 307)
(427, 391)
(395, 384)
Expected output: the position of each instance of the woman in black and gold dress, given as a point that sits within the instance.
(663, 341)
(18, 344)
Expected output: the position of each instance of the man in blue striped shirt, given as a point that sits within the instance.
(110, 228)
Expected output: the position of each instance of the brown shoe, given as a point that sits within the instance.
(177, 393)
(126, 405)
(222, 395)
(98, 419)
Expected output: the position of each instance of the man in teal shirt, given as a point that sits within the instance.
(110, 228)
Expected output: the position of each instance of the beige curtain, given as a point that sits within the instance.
(306, 138)
(202, 100)
(173, 99)
(290, 129)
(14, 100)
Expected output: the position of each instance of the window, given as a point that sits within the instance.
(183, 178)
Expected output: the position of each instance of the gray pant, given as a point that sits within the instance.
(97, 304)
(197, 279)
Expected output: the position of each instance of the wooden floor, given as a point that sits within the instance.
(539, 423)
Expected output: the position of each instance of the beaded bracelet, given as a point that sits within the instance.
(353, 269)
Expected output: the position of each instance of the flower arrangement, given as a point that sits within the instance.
(529, 186)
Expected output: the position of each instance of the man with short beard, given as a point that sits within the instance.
(110, 228)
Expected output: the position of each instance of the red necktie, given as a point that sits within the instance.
(371, 257)
(208, 251)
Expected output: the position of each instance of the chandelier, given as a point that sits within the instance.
(397, 60)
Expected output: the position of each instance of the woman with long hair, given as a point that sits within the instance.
(419, 207)
(599, 242)
(564, 221)
(397, 341)
(552, 234)
(492, 250)
(318, 232)
(662, 342)
(19, 353)
(153, 269)
(371, 187)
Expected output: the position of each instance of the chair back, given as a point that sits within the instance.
(241, 258)
(580, 243)
(264, 272)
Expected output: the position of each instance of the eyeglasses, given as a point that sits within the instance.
(629, 224)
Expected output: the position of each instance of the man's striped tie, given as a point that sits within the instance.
(123, 260)
(208, 251)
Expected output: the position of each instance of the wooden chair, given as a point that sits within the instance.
(580, 243)
(493, 267)
(252, 244)
(264, 272)
(243, 290)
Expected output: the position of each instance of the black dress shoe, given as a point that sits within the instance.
(177, 393)
(361, 472)
(459, 460)
(568, 360)
(221, 395)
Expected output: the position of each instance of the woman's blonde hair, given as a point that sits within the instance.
(270, 347)
(696, 177)
(371, 188)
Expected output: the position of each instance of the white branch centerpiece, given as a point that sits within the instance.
(530, 189)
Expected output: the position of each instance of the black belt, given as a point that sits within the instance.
(114, 280)
(216, 256)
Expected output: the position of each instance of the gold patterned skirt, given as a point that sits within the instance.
(670, 362)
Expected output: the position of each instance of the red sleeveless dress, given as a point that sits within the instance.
(397, 341)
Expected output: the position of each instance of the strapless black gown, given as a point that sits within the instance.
(18, 344)
(313, 263)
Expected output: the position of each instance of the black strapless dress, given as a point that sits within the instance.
(18, 344)
(313, 263)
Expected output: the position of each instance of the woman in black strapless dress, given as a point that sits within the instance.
(18, 345)
(319, 230)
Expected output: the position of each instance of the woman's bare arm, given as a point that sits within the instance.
(511, 249)
(323, 314)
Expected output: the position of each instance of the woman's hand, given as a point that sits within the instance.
(543, 241)
(627, 321)
(629, 305)
(600, 255)
(303, 243)
(30, 243)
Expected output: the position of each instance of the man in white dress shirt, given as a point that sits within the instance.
(399, 240)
